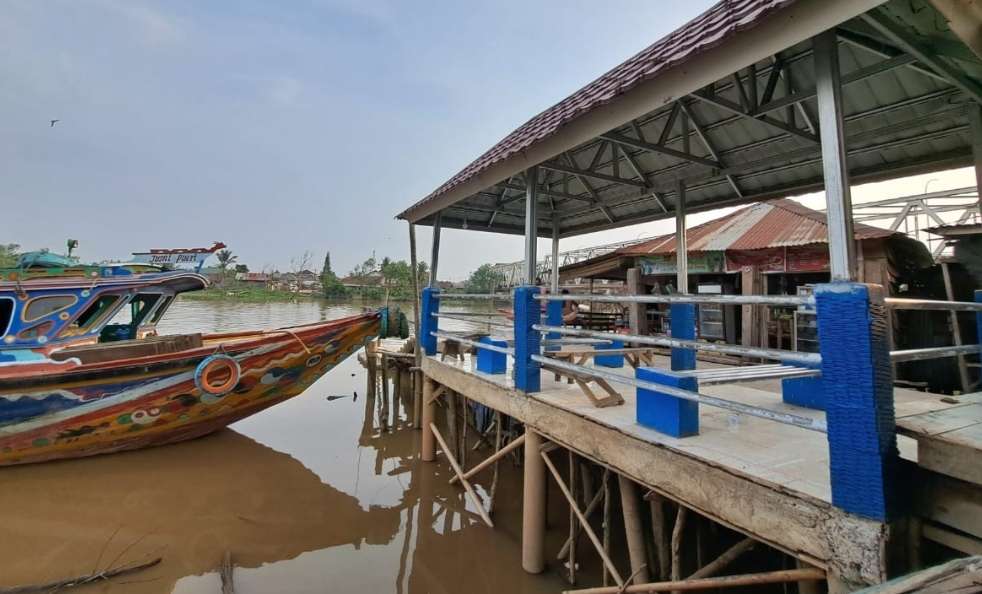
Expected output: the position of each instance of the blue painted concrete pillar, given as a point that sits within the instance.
(858, 387)
(527, 340)
(429, 305)
(683, 326)
(978, 316)
(554, 317)
(615, 361)
(661, 412)
(491, 361)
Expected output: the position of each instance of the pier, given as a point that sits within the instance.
(812, 456)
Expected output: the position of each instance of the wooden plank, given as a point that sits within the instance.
(948, 501)
(959, 542)
(801, 525)
(954, 453)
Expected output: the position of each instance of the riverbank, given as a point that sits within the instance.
(247, 295)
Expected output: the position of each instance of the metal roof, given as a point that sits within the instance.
(726, 104)
(779, 223)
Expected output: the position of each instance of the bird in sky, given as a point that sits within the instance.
(53, 122)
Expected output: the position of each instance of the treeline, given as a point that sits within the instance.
(374, 279)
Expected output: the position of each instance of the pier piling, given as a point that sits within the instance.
(533, 505)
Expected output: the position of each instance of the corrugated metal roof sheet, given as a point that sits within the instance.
(708, 30)
(779, 223)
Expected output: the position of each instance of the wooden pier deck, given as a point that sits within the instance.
(765, 479)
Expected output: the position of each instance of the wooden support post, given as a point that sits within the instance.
(417, 350)
(637, 318)
(633, 529)
(497, 447)
(396, 394)
(451, 411)
(533, 505)
(807, 586)
(677, 532)
(606, 520)
(460, 473)
(956, 329)
(571, 559)
(428, 445)
(493, 458)
(371, 363)
(385, 418)
(590, 508)
(750, 284)
(659, 533)
(782, 576)
(586, 526)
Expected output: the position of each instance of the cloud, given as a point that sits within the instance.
(285, 90)
(153, 27)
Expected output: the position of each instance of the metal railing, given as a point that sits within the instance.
(487, 296)
(737, 407)
(931, 304)
(933, 353)
(473, 343)
(471, 320)
(681, 343)
(774, 300)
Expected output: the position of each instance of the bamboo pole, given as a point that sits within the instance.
(497, 448)
(451, 411)
(417, 351)
(533, 505)
(633, 529)
(429, 413)
(371, 363)
(729, 556)
(500, 453)
(659, 533)
(467, 486)
(586, 526)
(384, 364)
(606, 520)
(781, 576)
(571, 558)
(590, 508)
(677, 543)
(462, 448)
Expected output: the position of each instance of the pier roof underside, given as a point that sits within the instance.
(726, 105)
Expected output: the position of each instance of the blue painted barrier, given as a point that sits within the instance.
(429, 305)
(683, 326)
(804, 391)
(527, 340)
(491, 361)
(661, 412)
(554, 317)
(615, 361)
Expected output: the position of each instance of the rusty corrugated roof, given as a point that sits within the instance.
(778, 223)
(706, 31)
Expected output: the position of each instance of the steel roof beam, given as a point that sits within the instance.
(657, 148)
(581, 173)
(735, 109)
(709, 145)
(875, 46)
(895, 33)
(669, 124)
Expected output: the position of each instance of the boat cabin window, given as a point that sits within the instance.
(93, 315)
(40, 307)
(125, 323)
(162, 309)
(6, 314)
(37, 331)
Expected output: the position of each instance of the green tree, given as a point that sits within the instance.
(484, 280)
(8, 255)
(243, 268)
(225, 259)
(332, 287)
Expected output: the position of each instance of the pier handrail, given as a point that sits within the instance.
(933, 353)
(470, 320)
(775, 300)
(804, 422)
(490, 296)
(932, 304)
(473, 343)
(664, 341)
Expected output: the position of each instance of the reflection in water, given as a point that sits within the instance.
(310, 496)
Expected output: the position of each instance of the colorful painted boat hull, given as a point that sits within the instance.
(74, 410)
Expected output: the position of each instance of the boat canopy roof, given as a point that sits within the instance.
(45, 306)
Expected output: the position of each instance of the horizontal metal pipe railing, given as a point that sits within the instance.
(931, 304)
(763, 413)
(750, 374)
(664, 341)
(573, 341)
(474, 343)
(776, 300)
(480, 322)
(933, 353)
(493, 296)
(470, 314)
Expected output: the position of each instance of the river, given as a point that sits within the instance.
(308, 496)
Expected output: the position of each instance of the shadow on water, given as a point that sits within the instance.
(312, 495)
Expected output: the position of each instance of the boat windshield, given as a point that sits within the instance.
(127, 321)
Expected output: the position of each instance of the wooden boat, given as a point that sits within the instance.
(76, 382)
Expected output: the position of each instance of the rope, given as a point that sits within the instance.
(300, 340)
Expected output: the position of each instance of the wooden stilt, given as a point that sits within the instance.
(605, 489)
(633, 529)
(533, 505)
(730, 581)
(428, 415)
(417, 350)
(571, 557)
(807, 586)
(451, 412)
(384, 366)
(492, 459)
(371, 365)
(586, 526)
(659, 533)
(497, 448)
(462, 448)
(590, 508)
(677, 543)
(396, 394)
(467, 486)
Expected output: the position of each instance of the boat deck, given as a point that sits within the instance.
(766, 479)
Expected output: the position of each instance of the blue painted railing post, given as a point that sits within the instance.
(668, 414)
(554, 317)
(858, 386)
(683, 326)
(429, 305)
(527, 340)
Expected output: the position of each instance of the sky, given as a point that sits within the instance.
(285, 127)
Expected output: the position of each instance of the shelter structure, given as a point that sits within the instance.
(751, 101)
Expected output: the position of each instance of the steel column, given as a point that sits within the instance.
(435, 254)
(681, 245)
(842, 257)
(554, 280)
(531, 227)
(975, 120)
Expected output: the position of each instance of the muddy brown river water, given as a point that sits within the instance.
(308, 496)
